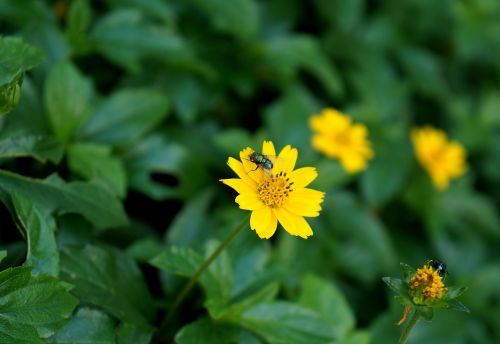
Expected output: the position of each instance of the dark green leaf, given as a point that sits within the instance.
(325, 299)
(42, 148)
(10, 94)
(407, 270)
(395, 284)
(126, 38)
(3, 254)
(32, 306)
(67, 96)
(17, 57)
(458, 306)
(86, 326)
(109, 279)
(144, 249)
(78, 20)
(207, 332)
(216, 281)
(89, 199)
(127, 333)
(39, 229)
(454, 292)
(93, 161)
(125, 116)
(264, 295)
(426, 312)
(285, 322)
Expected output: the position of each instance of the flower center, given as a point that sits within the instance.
(273, 192)
(342, 138)
(428, 284)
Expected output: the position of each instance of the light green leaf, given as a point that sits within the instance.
(458, 306)
(127, 333)
(407, 270)
(67, 97)
(39, 228)
(426, 312)
(31, 306)
(216, 281)
(88, 199)
(17, 57)
(325, 299)
(10, 94)
(78, 20)
(126, 38)
(264, 295)
(42, 148)
(92, 161)
(285, 322)
(454, 292)
(237, 17)
(154, 8)
(145, 249)
(125, 116)
(395, 284)
(3, 254)
(86, 326)
(205, 331)
(109, 279)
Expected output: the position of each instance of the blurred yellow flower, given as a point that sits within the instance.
(426, 286)
(336, 136)
(443, 159)
(274, 191)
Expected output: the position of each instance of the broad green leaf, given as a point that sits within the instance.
(325, 299)
(125, 116)
(126, 38)
(407, 270)
(31, 306)
(287, 54)
(39, 229)
(331, 174)
(86, 326)
(264, 295)
(426, 312)
(10, 94)
(109, 279)
(154, 8)
(205, 331)
(50, 195)
(17, 57)
(92, 161)
(67, 97)
(237, 17)
(3, 254)
(41, 148)
(145, 249)
(285, 322)
(358, 337)
(127, 333)
(454, 292)
(395, 284)
(216, 281)
(458, 306)
(78, 20)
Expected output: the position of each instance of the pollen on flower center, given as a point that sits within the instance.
(273, 192)
(427, 285)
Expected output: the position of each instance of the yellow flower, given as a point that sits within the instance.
(443, 159)
(337, 137)
(426, 286)
(277, 194)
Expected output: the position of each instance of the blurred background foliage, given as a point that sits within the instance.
(111, 159)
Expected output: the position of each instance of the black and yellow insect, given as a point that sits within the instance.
(263, 162)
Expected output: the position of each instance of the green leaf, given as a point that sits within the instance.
(395, 284)
(31, 306)
(86, 326)
(109, 279)
(39, 228)
(407, 270)
(454, 292)
(3, 254)
(17, 57)
(216, 281)
(426, 312)
(41, 148)
(264, 295)
(285, 322)
(125, 116)
(126, 38)
(325, 299)
(145, 249)
(237, 17)
(10, 94)
(78, 20)
(458, 306)
(92, 161)
(153, 8)
(88, 199)
(127, 333)
(205, 331)
(67, 97)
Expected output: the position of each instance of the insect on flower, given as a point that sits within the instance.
(263, 162)
(438, 266)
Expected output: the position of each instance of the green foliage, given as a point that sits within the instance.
(117, 118)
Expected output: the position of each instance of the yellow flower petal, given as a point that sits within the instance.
(249, 201)
(311, 194)
(264, 222)
(238, 168)
(303, 176)
(303, 207)
(293, 224)
(287, 159)
(239, 185)
(268, 148)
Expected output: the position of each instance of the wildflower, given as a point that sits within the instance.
(426, 286)
(277, 194)
(337, 137)
(444, 160)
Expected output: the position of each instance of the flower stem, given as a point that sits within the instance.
(409, 327)
(194, 279)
